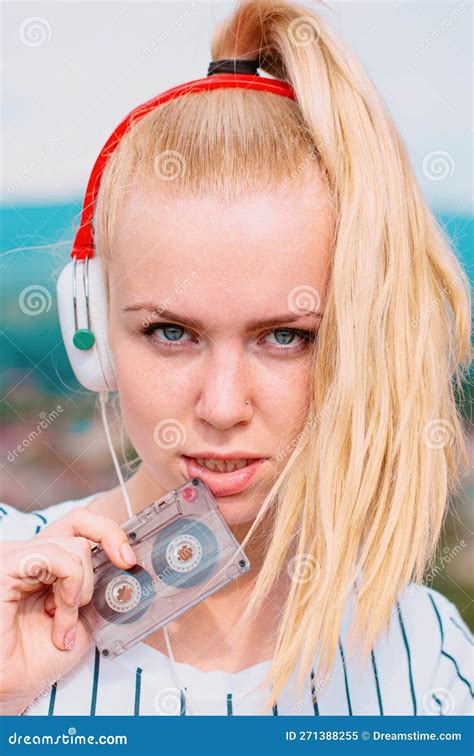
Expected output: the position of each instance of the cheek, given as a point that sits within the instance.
(151, 401)
(147, 382)
(286, 396)
(155, 399)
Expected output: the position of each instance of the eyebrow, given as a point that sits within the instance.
(288, 317)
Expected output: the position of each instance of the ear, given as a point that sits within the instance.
(82, 306)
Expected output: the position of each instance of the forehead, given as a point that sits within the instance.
(254, 249)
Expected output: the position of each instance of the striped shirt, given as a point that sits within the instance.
(422, 665)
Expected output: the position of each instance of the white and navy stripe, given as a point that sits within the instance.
(421, 665)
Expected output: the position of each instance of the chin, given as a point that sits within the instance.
(235, 511)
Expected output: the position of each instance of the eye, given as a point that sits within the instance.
(171, 332)
(291, 339)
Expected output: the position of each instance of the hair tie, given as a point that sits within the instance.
(233, 65)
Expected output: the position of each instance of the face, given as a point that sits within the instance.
(213, 315)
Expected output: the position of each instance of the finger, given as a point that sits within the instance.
(82, 521)
(62, 586)
(50, 604)
(83, 547)
(36, 564)
(80, 549)
(64, 628)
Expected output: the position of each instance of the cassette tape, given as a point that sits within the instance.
(185, 552)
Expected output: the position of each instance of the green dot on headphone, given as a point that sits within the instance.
(83, 338)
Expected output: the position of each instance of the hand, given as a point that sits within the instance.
(43, 582)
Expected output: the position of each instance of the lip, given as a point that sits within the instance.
(217, 455)
(223, 483)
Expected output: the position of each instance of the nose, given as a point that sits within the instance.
(224, 389)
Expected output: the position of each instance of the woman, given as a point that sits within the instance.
(271, 269)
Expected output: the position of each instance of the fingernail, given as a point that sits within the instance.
(127, 554)
(69, 638)
(78, 597)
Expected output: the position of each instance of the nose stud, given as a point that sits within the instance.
(246, 401)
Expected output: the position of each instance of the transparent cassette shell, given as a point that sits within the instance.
(185, 552)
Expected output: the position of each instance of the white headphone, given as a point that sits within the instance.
(82, 306)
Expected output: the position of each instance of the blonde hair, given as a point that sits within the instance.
(365, 490)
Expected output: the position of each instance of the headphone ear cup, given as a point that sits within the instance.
(93, 367)
(100, 321)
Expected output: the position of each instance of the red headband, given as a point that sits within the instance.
(83, 246)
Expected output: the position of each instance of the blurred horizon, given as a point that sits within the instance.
(40, 237)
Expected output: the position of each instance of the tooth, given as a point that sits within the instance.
(235, 464)
(241, 463)
(222, 465)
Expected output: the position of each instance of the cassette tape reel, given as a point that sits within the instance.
(125, 596)
(185, 552)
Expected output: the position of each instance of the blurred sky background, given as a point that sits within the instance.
(70, 72)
